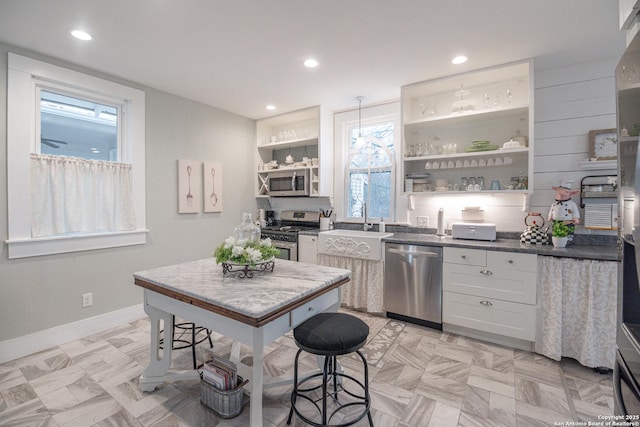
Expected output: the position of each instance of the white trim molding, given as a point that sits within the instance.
(24, 77)
(15, 348)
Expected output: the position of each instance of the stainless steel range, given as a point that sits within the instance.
(284, 235)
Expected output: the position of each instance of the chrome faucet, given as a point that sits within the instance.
(367, 226)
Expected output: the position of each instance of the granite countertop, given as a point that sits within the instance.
(604, 253)
(252, 297)
(579, 251)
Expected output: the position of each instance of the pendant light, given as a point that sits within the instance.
(360, 139)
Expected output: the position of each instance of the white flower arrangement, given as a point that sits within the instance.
(244, 251)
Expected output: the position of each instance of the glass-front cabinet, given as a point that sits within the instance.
(469, 132)
(299, 144)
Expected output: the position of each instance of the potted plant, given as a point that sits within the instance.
(560, 234)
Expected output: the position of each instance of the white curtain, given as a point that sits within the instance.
(577, 310)
(70, 195)
(365, 289)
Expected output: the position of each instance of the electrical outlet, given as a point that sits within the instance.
(87, 300)
(423, 221)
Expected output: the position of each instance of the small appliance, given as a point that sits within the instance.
(472, 231)
(289, 183)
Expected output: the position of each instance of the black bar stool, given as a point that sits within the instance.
(331, 335)
(187, 334)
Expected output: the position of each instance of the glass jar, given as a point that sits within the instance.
(480, 182)
(247, 230)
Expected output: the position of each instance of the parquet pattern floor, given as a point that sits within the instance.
(418, 377)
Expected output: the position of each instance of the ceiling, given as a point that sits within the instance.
(239, 55)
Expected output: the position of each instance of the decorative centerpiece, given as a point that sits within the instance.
(244, 253)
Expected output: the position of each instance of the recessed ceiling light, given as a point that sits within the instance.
(461, 59)
(81, 35)
(270, 107)
(311, 63)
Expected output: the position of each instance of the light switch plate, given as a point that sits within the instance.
(423, 221)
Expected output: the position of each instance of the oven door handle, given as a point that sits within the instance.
(617, 385)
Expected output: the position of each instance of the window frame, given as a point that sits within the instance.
(25, 76)
(343, 121)
(369, 170)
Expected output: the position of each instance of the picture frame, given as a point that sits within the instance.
(603, 144)
(212, 183)
(189, 186)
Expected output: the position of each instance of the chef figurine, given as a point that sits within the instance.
(563, 208)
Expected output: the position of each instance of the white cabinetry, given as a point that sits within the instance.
(490, 295)
(307, 249)
(447, 123)
(304, 133)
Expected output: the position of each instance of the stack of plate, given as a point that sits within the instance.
(481, 146)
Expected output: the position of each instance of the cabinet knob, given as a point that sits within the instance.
(463, 256)
(487, 303)
(310, 309)
(510, 261)
(486, 272)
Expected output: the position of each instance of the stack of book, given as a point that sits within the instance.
(220, 373)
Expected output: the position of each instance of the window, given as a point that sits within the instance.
(71, 126)
(371, 170)
(368, 167)
(64, 118)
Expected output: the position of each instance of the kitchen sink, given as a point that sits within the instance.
(352, 243)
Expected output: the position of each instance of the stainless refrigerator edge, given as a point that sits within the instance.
(626, 373)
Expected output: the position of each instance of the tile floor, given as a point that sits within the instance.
(419, 377)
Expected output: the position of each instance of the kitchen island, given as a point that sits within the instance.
(253, 312)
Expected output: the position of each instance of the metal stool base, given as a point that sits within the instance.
(331, 377)
(186, 335)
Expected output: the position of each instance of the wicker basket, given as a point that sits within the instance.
(225, 403)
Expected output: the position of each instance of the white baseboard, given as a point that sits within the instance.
(23, 346)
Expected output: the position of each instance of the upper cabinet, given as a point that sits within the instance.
(299, 141)
(470, 132)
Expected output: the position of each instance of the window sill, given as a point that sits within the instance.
(63, 244)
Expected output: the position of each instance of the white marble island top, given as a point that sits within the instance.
(255, 300)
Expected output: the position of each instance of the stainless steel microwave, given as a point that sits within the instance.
(294, 182)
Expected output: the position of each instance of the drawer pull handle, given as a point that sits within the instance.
(486, 272)
(463, 256)
(487, 303)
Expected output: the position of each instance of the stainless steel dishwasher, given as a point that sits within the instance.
(413, 283)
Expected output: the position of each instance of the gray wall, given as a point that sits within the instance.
(43, 292)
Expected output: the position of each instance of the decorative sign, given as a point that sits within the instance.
(189, 186)
(212, 176)
(603, 144)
